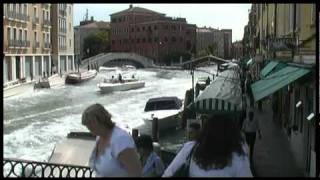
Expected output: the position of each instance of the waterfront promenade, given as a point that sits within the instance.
(272, 155)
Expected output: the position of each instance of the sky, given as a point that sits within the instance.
(222, 16)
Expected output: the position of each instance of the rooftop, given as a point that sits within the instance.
(136, 9)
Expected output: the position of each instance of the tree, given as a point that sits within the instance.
(209, 50)
(97, 43)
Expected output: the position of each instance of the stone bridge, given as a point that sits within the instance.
(116, 59)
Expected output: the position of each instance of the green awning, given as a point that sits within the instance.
(276, 81)
(222, 95)
(272, 66)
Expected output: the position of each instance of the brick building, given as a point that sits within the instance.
(151, 34)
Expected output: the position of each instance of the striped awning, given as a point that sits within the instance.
(223, 95)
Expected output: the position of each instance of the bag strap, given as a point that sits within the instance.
(190, 155)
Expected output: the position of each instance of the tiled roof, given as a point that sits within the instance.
(136, 9)
(99, 24)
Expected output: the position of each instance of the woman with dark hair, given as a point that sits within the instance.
(219, 152)
(151, 162)
(114, 154)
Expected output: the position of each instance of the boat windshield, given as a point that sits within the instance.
(161, 105)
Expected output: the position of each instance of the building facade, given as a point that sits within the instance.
(237, 50)
(28, 43)
(286, 33)
(83, 31)
(227, 42)
(63, 41)
(151, 34)
(205, 38)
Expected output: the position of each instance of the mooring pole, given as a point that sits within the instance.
(155, 130)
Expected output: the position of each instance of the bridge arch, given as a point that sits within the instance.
(109, 59)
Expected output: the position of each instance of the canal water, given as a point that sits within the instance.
(35, 121)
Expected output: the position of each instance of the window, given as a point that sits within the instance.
(43, 14)
(14, 33)
(150, 40)
(156, 39)
(44, 37)
(9, 34)
(138, 29)
(25, 35)
(173, 39)
(113, 42)
(25, 9)
(35, 36)
(34, 12)
(48, 38)
(144, 40)
(138, 40)
(291, 14)
(143, 28)
(313, 14)
(155, 27)
(132, 29)
(70, 42)
(165, 39)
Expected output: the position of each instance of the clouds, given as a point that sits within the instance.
(223, 16)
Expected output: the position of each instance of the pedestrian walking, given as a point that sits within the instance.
(114, 154)
(151, 162)
(220, 151)
(251, 127)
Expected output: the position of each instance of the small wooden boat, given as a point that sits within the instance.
(53, 81)
(76, 77)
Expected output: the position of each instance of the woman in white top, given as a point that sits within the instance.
(218, 152)
(250, 127)
(114, 154)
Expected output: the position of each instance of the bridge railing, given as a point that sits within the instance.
(26, 168)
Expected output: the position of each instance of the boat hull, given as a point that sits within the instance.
(165, 123)
(75, 78)
(17, 89)
(109, 87)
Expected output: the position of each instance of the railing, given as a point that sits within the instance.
(18, 16)
(35, 20)
(46, 22)
(25, 168)
(19, 43)
(62, 12)
(62, 30)
(36, 45)
(47, 45)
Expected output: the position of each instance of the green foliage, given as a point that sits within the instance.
(210, 50)
(97, 43)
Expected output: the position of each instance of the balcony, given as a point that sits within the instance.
(46, 22)
(36, 45)
(18, 43)
(63, 30)
(45, 5)
(63, 48)
(62, 12)
(18, 16)
(35, 20)
(47, 45)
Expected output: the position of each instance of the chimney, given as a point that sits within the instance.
(130, 6)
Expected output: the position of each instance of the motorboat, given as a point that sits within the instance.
(17, 87)
(128, 68)
(79, 77)
(110, 85)
(54, 81)
(108, 69)
(165, 109)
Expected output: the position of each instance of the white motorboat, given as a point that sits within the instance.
(54, 81)
(166, 109)
(110, 85)
(108, 69)
(17, 87)
(128, 68)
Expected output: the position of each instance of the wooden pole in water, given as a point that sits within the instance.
(135, 133)
(155, 130)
